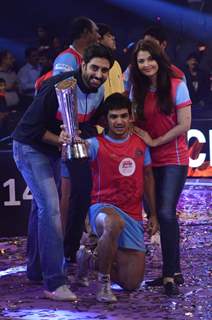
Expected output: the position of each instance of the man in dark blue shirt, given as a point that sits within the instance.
(36, 153)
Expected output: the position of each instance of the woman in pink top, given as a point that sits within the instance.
(163, 115)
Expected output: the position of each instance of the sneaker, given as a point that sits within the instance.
(171, 289)
(62, 293)
(104, 293)
(83, 256)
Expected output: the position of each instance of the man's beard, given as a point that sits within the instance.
(92, 84)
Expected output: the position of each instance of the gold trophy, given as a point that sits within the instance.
(66, 96)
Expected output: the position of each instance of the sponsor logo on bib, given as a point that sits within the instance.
(127, 167)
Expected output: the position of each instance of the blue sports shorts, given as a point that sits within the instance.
(132, 236)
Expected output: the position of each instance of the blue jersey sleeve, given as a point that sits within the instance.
(147, 157)
(182, 95)
(93, 146)
(64, 63)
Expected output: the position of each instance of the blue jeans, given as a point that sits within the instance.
(45, 238)
(169, 181)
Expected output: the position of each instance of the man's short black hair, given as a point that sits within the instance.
(98, 51)
(78, 26)
(117, 101)
(156, 32)
(104, 29)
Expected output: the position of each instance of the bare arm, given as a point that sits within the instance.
(149, 194)
(182, 126)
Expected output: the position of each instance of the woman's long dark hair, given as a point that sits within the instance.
(141, 83)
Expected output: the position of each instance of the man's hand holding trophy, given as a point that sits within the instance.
(73, 146)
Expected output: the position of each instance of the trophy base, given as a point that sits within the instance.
(74, 151)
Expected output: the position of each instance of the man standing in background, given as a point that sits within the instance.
(27, 76)
(84, 32)
(114, 82)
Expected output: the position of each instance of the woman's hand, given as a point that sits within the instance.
(181, 127)
(144, 135)
(153, 225)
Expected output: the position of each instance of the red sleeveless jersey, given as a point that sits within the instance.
(118, 174)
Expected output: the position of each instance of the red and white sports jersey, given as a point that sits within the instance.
(157, 124)
(117, 170)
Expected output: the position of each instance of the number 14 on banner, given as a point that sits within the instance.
(12, 194)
